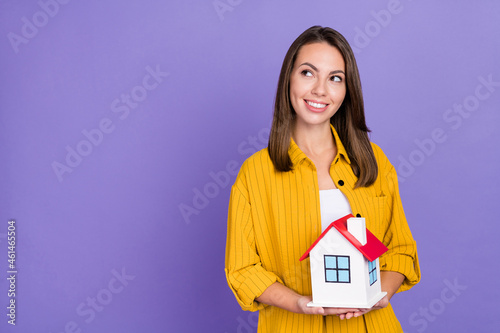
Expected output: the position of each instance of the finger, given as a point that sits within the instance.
(320, 311)
(343, 310)
(315, 310)
(359, 313)
(351, 315)
(334, 311)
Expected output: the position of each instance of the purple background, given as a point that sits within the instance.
(119, 209)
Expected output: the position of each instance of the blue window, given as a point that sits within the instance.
(372, 271)
(337, 269)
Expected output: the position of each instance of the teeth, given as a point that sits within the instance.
(316, 105)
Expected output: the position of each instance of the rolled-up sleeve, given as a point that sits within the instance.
(244, 272)
(402, 255)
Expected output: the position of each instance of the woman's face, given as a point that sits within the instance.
(317, 84)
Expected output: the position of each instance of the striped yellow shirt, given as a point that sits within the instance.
(275, 216)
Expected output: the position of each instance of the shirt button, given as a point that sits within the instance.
(358, 215)
(341, 183)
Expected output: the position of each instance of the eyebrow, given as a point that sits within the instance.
(317, 70)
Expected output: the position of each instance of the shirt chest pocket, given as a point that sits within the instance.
(373, 210)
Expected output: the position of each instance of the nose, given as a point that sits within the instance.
(319, 88)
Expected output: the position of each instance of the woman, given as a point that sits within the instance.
(319, 166)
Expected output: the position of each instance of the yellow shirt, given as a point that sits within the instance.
(275, 216)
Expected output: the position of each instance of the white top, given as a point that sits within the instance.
(333, 205)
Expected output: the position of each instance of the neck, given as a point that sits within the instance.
(313, 139)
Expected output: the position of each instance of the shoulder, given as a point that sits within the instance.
(259, 159)
(255, 164)
(254, 170)
(379, 153)
(383, 162)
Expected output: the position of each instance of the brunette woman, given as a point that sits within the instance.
(319, 166)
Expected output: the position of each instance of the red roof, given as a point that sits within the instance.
(371, 250)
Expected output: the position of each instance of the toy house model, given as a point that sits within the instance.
(344, 265)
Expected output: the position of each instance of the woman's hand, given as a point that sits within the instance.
(287, 299)
(317, 310)
(390, 282)
(379, 305)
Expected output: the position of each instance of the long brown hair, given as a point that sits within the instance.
(348, 121)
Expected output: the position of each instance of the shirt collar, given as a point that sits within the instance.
(296, 155)
(340, 147)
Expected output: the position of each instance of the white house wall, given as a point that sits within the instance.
(333, 243)
(374, 289)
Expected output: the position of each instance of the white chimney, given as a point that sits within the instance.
(357, 227)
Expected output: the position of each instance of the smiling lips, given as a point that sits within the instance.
(315, 106)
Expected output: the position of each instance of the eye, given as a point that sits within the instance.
(336, 78)
(306, 72)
